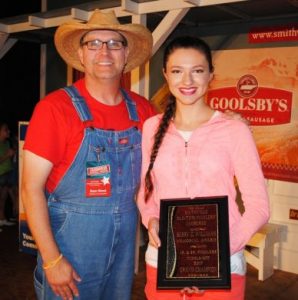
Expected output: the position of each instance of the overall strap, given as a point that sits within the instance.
(79, 103)
(131, 107)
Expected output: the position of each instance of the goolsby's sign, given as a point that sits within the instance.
(260, 105)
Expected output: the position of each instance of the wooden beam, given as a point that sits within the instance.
(153, 6)
(163, 5)
(3, 38)
(37, 21)
(139, 80)
(130, 6)
(85, 15)
(166, 26)
(48, 22)
(140, 76)
(212, 2)
(120, 12)
(7, 46)
(81, 14)
(18, 27)
(43, 71)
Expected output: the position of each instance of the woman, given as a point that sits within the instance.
(193, 151)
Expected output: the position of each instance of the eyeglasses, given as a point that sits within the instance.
(98, 44)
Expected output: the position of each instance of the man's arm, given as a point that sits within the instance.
(35, 173)
(36, 170)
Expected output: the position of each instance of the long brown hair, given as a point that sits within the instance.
(158, 137)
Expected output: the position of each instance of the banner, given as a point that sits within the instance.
(262, 85)
(284, 33)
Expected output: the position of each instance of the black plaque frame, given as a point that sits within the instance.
(165, 253)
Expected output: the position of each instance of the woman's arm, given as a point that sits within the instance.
(252, 186)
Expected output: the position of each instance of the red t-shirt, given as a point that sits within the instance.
(55, 130)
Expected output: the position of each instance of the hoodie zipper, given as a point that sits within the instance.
(186, 167)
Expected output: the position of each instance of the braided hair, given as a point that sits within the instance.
(158, 137)
(184, 42)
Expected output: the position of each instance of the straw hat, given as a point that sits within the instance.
(139, 39)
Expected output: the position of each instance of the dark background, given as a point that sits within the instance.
(19, 70)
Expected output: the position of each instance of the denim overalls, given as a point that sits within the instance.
(97, 234)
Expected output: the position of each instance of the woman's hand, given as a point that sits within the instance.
(189, 291)
(153, 230)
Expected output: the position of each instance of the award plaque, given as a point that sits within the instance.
(194, 247)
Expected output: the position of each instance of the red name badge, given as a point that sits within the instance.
(100, 187)
(98, 179)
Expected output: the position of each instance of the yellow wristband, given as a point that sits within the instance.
(52, 263)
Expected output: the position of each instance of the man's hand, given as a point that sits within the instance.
(236, 116)
(63, 280)
(153, 230)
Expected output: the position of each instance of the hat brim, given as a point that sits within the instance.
(139, 39)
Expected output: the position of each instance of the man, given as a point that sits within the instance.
(81, 169)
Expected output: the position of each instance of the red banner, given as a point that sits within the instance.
(273, 34)
(267, 107)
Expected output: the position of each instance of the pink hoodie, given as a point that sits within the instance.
(205, 166)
